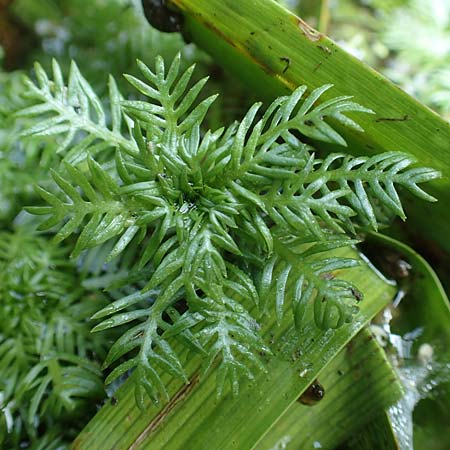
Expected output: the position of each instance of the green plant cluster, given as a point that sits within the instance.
(218, 222)
(176, 232)
(49, 365)
(50, 378)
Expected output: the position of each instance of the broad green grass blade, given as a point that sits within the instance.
(195, 419)
(377, 435)
(275, 51)
(358, 384)
(353, 401)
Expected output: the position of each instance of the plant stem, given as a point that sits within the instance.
(324, 16)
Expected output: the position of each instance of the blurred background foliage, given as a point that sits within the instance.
(407, 40)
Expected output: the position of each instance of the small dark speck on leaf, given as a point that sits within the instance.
(317, 66)
(287, 62)
(324, 49)
(392, 119)
(358, 296)
(309, 123)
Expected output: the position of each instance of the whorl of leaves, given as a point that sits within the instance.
(226, 223)
(46, 354)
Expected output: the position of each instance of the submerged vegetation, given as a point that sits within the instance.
(220, 223)
(147, 223)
